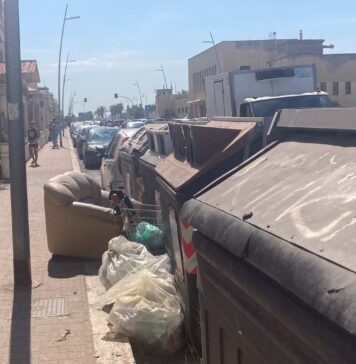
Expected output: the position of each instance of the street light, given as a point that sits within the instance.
(15, 114)
(65, 18)
(127, 98)
(139, 90)
(64, 82)
(164, 75)
(79, 102)
(211, 41)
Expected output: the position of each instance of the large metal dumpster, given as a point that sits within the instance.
(129, 157)
(276, 242)
(201, 153)
(159, 146)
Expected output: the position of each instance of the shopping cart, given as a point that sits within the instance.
(143, 223)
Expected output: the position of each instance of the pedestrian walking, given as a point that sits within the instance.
(32, 136)
(54, 133)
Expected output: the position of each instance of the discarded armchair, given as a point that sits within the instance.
(79, 221)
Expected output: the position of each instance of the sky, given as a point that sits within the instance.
(116, 43)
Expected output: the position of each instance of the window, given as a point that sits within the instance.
(112, 147)
(323, 86)
(244, 68)
(348, 88)
(335, 88)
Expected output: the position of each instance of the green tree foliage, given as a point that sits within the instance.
(116, 109)
(135, 112)
(86, 116)
(100, 112)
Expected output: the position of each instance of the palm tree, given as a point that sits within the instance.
(100, 112)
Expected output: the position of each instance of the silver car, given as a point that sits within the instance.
(109, 170)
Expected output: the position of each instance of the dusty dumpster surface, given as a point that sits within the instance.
(200, 154)
(276, 247)
(129, 156)
(159, 146)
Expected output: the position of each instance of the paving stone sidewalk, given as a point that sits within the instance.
(50, 323)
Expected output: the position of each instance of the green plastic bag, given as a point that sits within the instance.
(149, 235)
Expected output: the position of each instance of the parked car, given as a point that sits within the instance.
(74, 132)
(135, 124)
(83, 133)
(76, 129)
(94, 147)
(109, 172)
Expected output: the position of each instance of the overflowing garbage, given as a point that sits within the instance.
(147, 308)
(124, 257)
(141, 288)
(149, 235)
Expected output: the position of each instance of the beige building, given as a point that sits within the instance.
(38, 102)
(335, 73)
(41, 107)
(169, 105)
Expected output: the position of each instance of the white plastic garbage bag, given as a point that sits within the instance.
(147, 308)
(124, 256)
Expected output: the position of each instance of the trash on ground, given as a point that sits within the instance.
(124, 256)
(147, 308)
(149, 235)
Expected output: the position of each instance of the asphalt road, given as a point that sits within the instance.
(93, 172)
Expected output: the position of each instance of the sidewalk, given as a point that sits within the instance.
(51, 323)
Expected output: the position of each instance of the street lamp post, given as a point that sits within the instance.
(78, 102)
(127, 98)
(15, 113)
(164, 75)
(139, 90)
(59, 69)
(64, 82)
(211, 41)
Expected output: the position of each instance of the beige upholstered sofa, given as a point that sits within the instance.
(79, 221)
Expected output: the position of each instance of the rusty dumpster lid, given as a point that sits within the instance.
(151, 158)
(291, 212)
(137, 145)
(199, 148)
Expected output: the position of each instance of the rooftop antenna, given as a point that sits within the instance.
(301, 34)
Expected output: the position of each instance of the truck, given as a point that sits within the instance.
(260, 93)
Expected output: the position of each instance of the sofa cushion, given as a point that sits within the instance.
(89, 189)
(59, 194)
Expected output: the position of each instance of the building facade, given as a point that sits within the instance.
(335, 73)
(170, 106)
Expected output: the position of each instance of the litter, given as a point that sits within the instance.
(149, 235)
(124, 256)
(147, 308)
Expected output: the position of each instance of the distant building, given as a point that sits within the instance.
(39, 105)
(169, 105)
(336, 73)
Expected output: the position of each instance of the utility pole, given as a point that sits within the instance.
(164, 75)
(211, 41)
(139, 91)
(15, 114)
(59, 70)
(64, 83)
